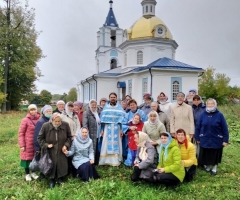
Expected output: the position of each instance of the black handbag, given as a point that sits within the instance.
(45, 164)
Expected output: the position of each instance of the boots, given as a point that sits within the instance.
(51, 183)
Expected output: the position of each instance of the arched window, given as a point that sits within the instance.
(146, 9)
(151, 9)
(125, 59)
(113, 64)
(175, 89)
(139, 57)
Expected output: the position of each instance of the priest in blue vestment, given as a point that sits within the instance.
(111, 132)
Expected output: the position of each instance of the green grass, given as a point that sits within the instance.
(115, 181)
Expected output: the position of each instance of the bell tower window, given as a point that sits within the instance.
(146, 9)
(113, 64)
(113, 38)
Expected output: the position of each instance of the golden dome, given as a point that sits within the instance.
(145, 28)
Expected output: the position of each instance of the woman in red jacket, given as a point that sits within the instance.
(136, 125)
(26, 140)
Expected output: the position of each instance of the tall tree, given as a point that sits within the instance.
(19, 54)
(214, 85)
(72, 95)
(45, 97)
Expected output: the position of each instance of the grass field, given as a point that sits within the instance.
(115, 182)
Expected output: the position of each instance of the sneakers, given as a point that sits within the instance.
(28, 177)
(34, 175)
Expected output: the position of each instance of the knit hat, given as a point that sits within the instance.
(45, 108)
(78, 103)
(32, 106)
(61, 101)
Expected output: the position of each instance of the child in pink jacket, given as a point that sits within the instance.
(26, 140)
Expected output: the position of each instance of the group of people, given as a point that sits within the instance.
(163, 142)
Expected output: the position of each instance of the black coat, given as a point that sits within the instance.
(59, 138)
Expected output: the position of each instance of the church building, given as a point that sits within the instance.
(137, 60)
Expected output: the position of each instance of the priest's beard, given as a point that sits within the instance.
(113, 103)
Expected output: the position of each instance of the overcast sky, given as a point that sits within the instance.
(207, 32)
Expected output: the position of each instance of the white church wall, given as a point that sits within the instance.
(105, 87)
(162, 82)
(151, 52)
(107, 36)
(119, 37)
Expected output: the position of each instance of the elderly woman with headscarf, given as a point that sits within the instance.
(188, 154)
(143, 164)
(71, 118)
(162, 116)
(83, 155)
(78, 110)
(153, 127)
(46, 112)
(170, 171)
(182, 117)
(212, 134)
(164, 104)
(91, 120)
(55, 137)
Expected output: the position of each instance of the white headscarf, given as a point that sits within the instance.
(95, 113)
(142, 139)
(70, 114)
(212, 109)
(157, 118)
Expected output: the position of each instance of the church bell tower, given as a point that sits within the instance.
(109, 37)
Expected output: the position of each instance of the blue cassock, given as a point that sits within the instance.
(111, 118)
(125, 127)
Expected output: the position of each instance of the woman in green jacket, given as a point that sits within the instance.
(169, 170)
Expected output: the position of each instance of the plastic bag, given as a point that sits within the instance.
(34, 164)
(45, 164)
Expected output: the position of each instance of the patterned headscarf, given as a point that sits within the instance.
(142, 139)
(165, 146)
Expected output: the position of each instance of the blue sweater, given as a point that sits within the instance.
(82, 152)
(37, 130)
(211, 130)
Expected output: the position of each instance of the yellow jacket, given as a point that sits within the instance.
(188, 155)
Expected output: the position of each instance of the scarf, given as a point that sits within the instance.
(54, 116)
(142, 139)
(165, 146)
(95, 113)
(185, 142)
(80, 138)
(211, 110)
(156, 122)
(69, 114)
